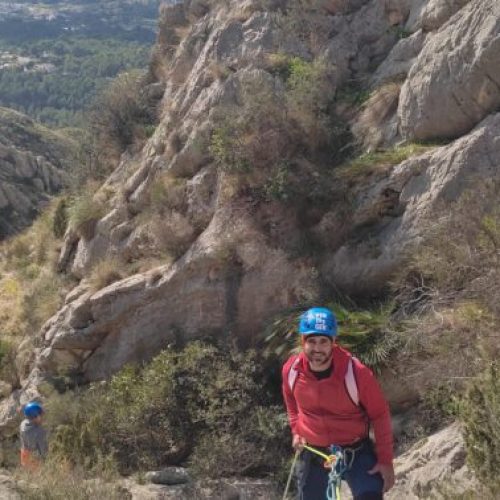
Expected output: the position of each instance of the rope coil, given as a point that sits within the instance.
(336, 463)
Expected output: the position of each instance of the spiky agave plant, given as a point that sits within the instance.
(367, 333)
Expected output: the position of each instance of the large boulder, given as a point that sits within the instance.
(392, 214)
(435, 468)
(397, 64)
(455, 81)
(229, 279)
(437, 12)
(225, 489)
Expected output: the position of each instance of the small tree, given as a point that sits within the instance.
(121, 114)
(60, 220)
(310, 90)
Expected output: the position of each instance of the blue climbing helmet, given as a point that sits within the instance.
(319, 321)
(33, 410)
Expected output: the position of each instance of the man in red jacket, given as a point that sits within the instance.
(331, 400)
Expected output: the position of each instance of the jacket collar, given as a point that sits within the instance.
(340, 359)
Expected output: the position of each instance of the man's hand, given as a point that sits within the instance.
(298, 442)
(387, 473)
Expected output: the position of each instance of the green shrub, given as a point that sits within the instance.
(228, 148)
(60, 220)
(278, 64)
(84, 213)
(352, 94)
(11, 307)
(308, 95)
(369, 163)
(8, 370)
(439, 406)
(367, 333)
(122, 113)
(277, 186)
(480, 412)
(42, 298)
(170, 411)
(459, 258)
(400, 32)
(105, 272)
(59, 480)
(167, 192)
(31, 291)
(253, 138)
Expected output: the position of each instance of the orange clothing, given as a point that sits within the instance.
(28, 460)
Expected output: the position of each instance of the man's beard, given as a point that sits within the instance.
(319, 358)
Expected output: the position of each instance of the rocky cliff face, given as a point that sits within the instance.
(33, 165)
(236, 255)
(231, 254)
(434, 467)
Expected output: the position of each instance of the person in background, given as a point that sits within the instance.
(332, 399)
(33, 436)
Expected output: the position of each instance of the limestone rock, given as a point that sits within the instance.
(7, 487)
(376, 125)
(361, 40)
(455, 81)
(229, 276)
(414, 21)
(395, 211)
(230, 257)
(168, 476)
(5, 389)
(437, 12)
(397, 64)
(34, 164)
(436, 465)
(226, 489)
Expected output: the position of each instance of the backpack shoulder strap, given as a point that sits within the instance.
(350, 382)
(350, 379)
(292, 374)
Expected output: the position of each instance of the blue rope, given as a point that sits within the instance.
(335, 474)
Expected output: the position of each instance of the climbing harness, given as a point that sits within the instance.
(337, 469)
(336, 462)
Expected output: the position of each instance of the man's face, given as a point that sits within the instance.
(318, 350)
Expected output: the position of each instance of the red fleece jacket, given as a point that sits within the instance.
(323, 413)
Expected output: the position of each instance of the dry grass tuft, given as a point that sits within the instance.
(58, 480)
(84, 212)
(106, 272)
(377, 110)
(379, 161)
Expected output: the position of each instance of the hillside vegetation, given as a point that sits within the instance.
(55, 56)
(271, 158)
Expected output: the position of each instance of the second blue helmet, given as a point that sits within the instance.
(319, 321)
(33, 410)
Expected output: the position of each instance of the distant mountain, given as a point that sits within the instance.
(31, 20)
(34, 163)
(55, 55)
